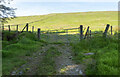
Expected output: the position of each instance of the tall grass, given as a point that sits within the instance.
(106, 55)
(15, 50)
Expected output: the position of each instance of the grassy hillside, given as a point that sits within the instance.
(96, 20)
(27, 48)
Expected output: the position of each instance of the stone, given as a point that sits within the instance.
(80, 72)
(89, 54)
(20, 73)
(70, 57)
(77, 70)
(13, 73)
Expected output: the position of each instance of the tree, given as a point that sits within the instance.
(6, 13)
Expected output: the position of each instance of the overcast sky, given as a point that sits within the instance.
(65, 0)
(41, 7)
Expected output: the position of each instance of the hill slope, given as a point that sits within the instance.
(69, 20)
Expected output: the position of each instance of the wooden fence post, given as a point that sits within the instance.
(86, 32)
(24, 28)
(27, 27)
(9, 27)
(39, 33)
(3, 28)
(111, 30)
(32, 28)
(17, 28)
(105, 33)
(81, 32)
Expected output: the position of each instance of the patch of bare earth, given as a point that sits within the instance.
(65, 64)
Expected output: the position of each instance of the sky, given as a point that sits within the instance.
(42, 7)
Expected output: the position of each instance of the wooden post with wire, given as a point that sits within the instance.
(86, 32)
(9, 27)
(111, 30)
(27, 27)
(105, 32)
(81, 32)
(39, 33)
(17, 28)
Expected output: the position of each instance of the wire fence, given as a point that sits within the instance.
(61, 35)
(64, 36)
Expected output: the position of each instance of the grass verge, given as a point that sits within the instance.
(15, 50)
(106, 55)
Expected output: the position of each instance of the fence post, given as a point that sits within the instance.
(81, 32)
(24, 27)
(3, 28)
(86, 32)
(32, 28)
(9, 27)
(39, 33)
(105, 33)
(27, 27)
(90, 33)
(17, 28)
(111, 30)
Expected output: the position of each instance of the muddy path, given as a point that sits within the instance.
(64, 63)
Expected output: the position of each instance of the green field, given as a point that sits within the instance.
(96, 20)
